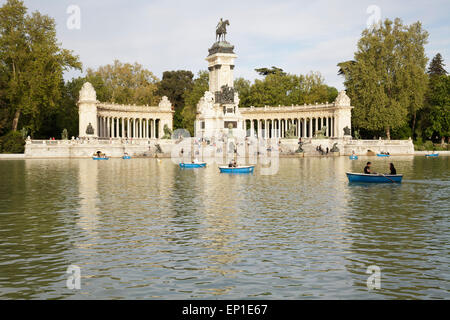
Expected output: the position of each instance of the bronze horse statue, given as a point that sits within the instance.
(221, 30)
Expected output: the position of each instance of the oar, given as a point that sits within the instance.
(387, 177)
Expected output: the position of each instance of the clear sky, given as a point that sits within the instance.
(298, 36)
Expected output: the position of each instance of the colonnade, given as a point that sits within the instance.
(303, 127)
(137, 128)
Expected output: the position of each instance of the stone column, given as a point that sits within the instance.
(145, 128)
(310, 127)
(160, 129)
(330, 125)
(152, 124)
(137, 128)
(263, 132)
(281, 128)
(333, 120)
(130, 128)
(149, 128)
(274, 134)
(153, 128)
(261, 129)
(278, 128)
(266, 129)
(252, 128)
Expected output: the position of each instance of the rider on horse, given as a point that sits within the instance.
(221, 29)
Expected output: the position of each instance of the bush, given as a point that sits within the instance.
(12, 142)
(428, 145)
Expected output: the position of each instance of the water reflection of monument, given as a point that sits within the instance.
(87, 188)
(220, 223)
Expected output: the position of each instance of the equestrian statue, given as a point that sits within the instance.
(221, 30)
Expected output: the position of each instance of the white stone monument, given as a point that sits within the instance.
(218, 110)
(343, 115)
(87, 110)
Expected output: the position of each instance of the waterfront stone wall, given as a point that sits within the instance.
(348, 146)
(163, 148)
(114, 148)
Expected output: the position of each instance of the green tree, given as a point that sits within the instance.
(191, 98)
(437, 66)
(387, 80)
(12, 142)
(174, 85)
(126, 83)
(267, 71)
(32, 65)
(243, 88)
(67, 116)
(435, 118)
(332, 93)
(286, 89)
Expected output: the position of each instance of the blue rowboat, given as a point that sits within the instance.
(126, 157)
(432, 155)
(97, 158)
(192, 165)
(353, 157)
(383, 155)
(375, 178)
(237, 170)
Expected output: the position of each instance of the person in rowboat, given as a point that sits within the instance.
(368, 170)
(392, 169)
(232, 164)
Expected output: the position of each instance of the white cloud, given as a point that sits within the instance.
(298, 36)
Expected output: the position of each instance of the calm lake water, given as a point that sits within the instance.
(142, 229)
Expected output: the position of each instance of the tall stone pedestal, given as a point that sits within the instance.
(218, 110)
(87, 110)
